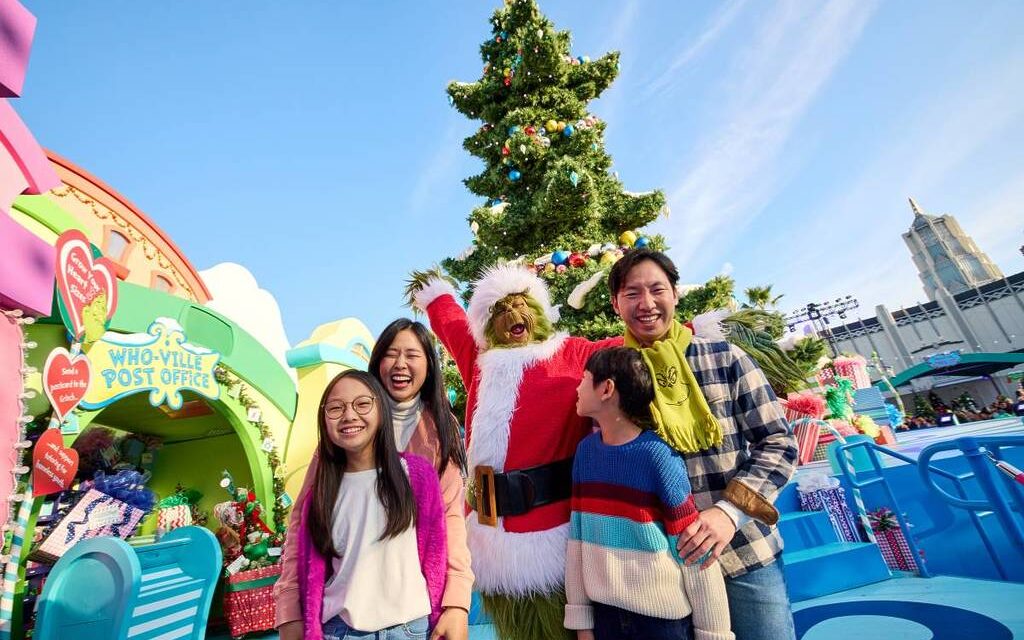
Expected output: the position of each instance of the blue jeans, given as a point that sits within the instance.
(759, 605)
(337, 629)
(612, 623)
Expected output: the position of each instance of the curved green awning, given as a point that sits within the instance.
(967, 365)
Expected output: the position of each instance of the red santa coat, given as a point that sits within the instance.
(520, 413)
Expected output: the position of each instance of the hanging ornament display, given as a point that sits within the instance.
(574, 178)
(514, 175)
(627, 238)
(560, 257)
(642, 242)
(568, 130)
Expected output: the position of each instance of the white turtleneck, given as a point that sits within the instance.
(406, 416)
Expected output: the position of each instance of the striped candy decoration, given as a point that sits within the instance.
(13, 562)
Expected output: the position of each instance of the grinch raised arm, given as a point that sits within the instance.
(522, 431)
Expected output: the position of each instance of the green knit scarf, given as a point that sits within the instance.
(682, 417)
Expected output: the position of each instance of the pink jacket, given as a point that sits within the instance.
(459, 586)
(430, 542)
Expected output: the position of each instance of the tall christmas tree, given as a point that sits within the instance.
(549, 195)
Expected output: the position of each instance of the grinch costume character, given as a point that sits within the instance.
(522, 432)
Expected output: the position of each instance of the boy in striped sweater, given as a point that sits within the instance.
(630, 501)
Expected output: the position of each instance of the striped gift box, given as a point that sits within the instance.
(808, 432)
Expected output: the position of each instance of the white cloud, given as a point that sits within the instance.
(716, 26)
(235, 293)
(736, 168)
(726, 269)
(852, 244)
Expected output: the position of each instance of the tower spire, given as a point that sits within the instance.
(917, 209)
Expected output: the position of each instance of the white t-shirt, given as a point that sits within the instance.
(376, 583)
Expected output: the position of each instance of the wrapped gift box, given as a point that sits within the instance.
(891, 541)
(807, 432)
(819, 492)
(855, 368)
(168, 518)
(249, 600)
(96, 514)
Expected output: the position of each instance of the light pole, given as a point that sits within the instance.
(818, 313)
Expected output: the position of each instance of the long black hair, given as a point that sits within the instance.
(433, 393)
(393, 488)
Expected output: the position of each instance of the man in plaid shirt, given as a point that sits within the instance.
(735, 483)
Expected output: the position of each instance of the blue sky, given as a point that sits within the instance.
(312, 142)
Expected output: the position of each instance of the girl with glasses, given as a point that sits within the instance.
(406, 364)
(370, 538)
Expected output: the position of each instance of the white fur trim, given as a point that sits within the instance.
(709, 325)
(434, 289)
(497, 282)
(578, 294)
(517, 564)
(503, 562)
(501, 373)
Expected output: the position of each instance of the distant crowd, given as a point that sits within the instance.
(1003, 407)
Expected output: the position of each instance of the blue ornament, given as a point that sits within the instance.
(568, 131)
(504, 35)
(513, 129)
(494, 202)
(542, 131)
(560, 257)
(641, 242)
(580, 59)
(514, 175)
(451, 100)
(574, 178)
(452, 396)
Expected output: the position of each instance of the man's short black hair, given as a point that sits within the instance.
(627, 369)
(625, 264)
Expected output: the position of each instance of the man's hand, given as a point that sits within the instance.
(452, 625)
(711, 531)
(291, 630)
(584, 634)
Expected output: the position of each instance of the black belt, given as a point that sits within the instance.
(517, 492)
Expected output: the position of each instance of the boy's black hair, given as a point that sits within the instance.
(627, 369)
(622, 267)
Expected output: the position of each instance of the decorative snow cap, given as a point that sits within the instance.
(499, 281)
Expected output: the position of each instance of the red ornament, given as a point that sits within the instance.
(577, 259)
(530, 131)
(508, 82)
(505, 151)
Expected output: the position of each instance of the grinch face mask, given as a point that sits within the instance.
(517, 320)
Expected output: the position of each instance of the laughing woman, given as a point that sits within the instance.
(406, 364)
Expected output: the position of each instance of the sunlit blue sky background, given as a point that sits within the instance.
(312, 142)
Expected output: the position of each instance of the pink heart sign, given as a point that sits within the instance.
(53, 465)
(87, 287)
(65, 380)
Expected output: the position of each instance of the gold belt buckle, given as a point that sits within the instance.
(483, 489)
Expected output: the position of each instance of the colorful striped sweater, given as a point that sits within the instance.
(629, 505)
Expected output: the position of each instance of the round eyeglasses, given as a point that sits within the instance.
(361, 405)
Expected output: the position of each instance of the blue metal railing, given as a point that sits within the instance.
(981, 469)
(843, 461)
(995, 500)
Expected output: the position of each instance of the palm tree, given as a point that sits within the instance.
(760, 297)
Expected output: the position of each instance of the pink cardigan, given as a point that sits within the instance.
(430, 542)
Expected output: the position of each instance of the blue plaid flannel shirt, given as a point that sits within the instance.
(757, 447)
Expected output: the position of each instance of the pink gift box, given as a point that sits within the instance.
(95, 515)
